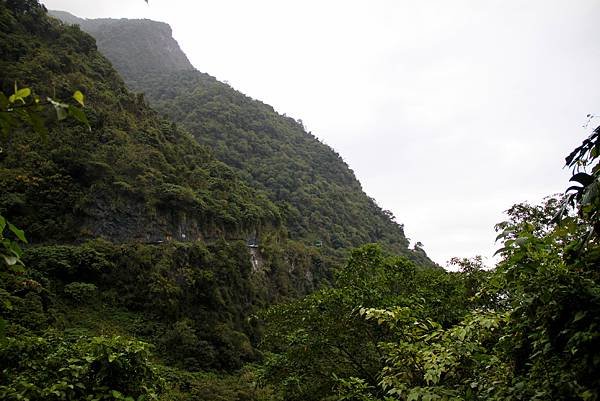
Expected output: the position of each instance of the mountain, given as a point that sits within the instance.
(155, 49)
(139, 236)
(154, 271)
(320, 199)
(137, 230)
(134, 228)
(133, 176)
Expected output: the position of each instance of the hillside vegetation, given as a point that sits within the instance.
(134, 228)
(134, 279)
(133, 175)
(320, 199)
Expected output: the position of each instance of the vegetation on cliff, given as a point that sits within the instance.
(318, 195)
(104, 303)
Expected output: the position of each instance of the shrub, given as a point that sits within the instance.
(80, 292)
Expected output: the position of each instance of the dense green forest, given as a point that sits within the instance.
(134, 228)
(126, 272)
(318, 195)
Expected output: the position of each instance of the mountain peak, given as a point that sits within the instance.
(156, 50)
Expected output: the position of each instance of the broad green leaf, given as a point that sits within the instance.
(38, 125)
(19, 233)
(3, 101)
(579, 315)
(60, 108)
(17, 268)
(10, 260)
(79, 115)
(13, 247)
(499, 251)
(78, 96)
(591, 193)
(582, 178)
(20, 94)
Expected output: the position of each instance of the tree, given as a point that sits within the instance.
(539, 337)
(322, 341)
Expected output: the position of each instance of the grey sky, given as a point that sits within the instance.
(448, 111)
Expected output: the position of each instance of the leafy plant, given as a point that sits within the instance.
(22, 107)
(10, 252)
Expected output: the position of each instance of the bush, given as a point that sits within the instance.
(53, 368)
(81, 292)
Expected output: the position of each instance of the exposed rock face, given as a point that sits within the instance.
(256, 260)
(154, 51)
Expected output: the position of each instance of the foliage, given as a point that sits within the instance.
(80, 292)
(426, 361)
(72, 315)
(183, 386)
(530, 329)
(23, 108)
(322, 340)
(97, 368)
(10, 252)
(132, 176)
(537, 337)
(319, 196)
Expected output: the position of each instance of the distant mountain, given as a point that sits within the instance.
(155, 49)
(320, 198)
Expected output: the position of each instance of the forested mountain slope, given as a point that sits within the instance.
(318, 195)
(133, 175)
(134, 228)
(108, 302)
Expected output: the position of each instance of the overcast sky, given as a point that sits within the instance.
(448, 112)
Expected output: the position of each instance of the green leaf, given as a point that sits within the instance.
(499, 251)
(582, 178)
(61, 112)
(20, 94)
(591, 193)
(10, 260)
(3, 101)
(78, 96)
(502, 235)
(19, 233)
(579, 315)
(19, 269)
(79, 115)
(60, 108)
(38, 125)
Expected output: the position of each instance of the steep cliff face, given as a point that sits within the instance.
(320, 199)
(155, 49)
